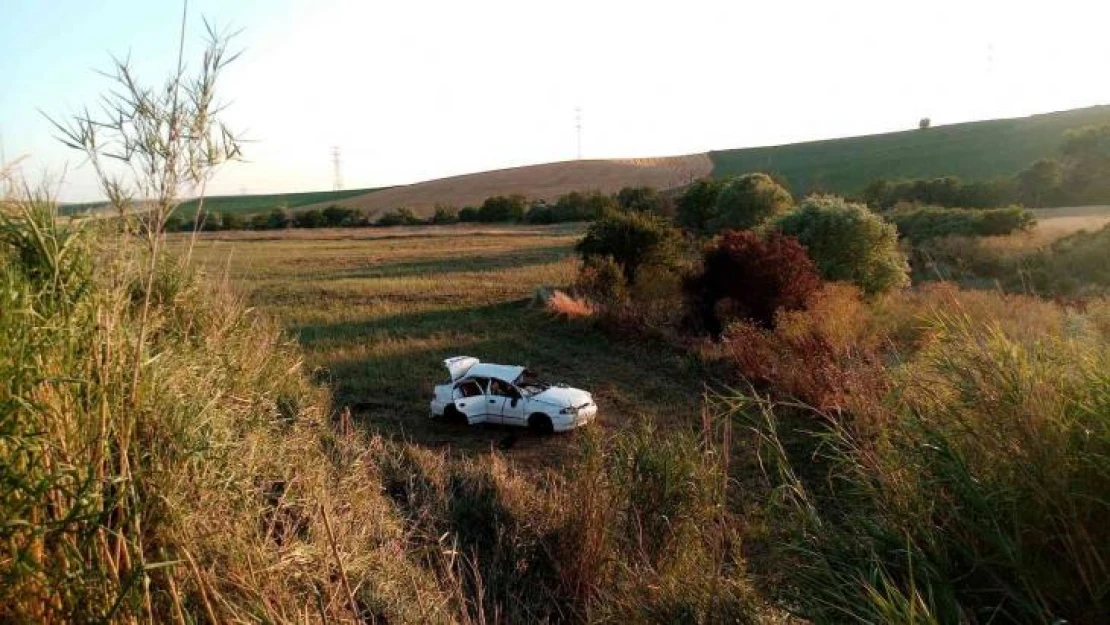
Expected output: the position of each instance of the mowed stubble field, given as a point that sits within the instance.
(377, 311)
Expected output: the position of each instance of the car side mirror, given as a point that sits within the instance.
(513, 403)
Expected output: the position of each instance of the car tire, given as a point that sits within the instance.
(451, 414)
(540, 423)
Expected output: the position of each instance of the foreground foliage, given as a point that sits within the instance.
(968, 487)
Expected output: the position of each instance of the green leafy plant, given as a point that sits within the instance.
(847, 242)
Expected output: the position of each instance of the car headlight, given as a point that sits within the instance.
(569, 410)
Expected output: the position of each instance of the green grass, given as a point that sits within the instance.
(972, 151)
(242, 204)
(377, 314)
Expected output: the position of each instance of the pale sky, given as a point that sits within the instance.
(414, 90)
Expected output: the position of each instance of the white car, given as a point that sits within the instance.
(482, 392)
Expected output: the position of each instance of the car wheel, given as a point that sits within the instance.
(451, 414)
(540, 424)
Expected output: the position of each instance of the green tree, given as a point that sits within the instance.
(232, 221)
(1040, 183)
(632, 240)
(1086, 159)
(399, 217)
(468, 214)
(258, 221)
(640, 199)
(847, 242)
(336, 216)
(500, 208)
(747, 201)
(445, 214)
(278, 219)
(697, 206)
(309, 219)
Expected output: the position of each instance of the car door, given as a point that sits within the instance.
(497, 398)
(470, 399)
(514, 411)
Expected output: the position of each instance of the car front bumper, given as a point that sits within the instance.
(582, 417)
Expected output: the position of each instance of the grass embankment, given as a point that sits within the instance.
(193, 476)
(972, 151)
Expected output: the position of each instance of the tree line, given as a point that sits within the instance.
(1078, 174)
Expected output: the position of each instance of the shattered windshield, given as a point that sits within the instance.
(530, 384)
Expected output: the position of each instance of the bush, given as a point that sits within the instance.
(278, 219)
(308, 219)
(640, 199)
(948, 191)
(928, 222)
(231, 221)
(501, 208)
(697, 205)
(444, 215)
(975, 494)
(743, 202)
(632, 240)
(755, 277)
(601, 279)
(847, 242)
(573, 206)
(468, 214)
(399, 217)
(1078, 264)
(747, 201)
(335, 216)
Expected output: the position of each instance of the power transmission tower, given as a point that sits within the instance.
(338, 183)
(578, 128)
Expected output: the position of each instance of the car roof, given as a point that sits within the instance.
(509, 373)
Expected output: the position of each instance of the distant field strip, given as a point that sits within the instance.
(240, 204)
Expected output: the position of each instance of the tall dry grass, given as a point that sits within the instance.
(968, 485)
(214, 490)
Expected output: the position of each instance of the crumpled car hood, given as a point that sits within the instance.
(563, 396)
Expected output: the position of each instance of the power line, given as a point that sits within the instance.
(335, 161)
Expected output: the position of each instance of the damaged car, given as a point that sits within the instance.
(481, 392)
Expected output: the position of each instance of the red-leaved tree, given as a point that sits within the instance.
(754, 276)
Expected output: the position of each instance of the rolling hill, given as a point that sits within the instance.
(546, 182)
(972, 151)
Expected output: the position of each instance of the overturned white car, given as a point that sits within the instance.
(487, 393)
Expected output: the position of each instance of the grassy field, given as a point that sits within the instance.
(973, 151)
(378, 310)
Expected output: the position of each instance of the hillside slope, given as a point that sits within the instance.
(546, 182)
(973, 151)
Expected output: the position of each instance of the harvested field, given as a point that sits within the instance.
(546, 182)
